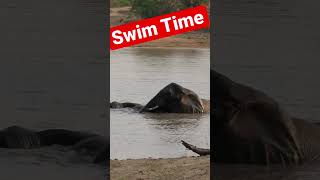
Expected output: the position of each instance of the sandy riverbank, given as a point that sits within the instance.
(195, 39)
(171, 168)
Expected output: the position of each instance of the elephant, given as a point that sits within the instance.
(118, 105)
(250, 127)
(16, 137)
(171, 99)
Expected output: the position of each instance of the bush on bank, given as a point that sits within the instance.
(120, 3)
(150, 8)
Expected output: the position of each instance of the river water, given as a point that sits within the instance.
(138, 74)
(273, 46)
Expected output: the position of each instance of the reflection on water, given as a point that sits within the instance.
(137, 74)
(273, 46)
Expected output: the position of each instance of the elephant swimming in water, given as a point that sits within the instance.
(251, 127)
(16, 137)
(171, 99)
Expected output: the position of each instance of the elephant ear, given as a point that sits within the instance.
(264, 121)
(160, 99)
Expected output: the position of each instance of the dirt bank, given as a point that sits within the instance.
(195, 39)
(172, 168)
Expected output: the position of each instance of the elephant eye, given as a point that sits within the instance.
(180, 95)
(191, 96)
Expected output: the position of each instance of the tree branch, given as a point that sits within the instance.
(200, 151)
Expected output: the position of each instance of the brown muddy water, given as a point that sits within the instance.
(138, 74)
(273, 46)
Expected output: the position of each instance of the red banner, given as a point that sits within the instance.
(159, 27)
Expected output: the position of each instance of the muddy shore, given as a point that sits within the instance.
(171, 168)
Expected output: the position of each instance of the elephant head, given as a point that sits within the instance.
(175, 99)
(249, 126)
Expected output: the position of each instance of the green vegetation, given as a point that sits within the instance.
(150, 8)
(120, 3)
(193, 3)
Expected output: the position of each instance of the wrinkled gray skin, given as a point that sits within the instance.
(171, 99)
(16, 137)
(250, 127)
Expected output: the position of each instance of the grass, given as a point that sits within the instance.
(120, 3)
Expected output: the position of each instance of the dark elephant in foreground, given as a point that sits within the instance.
(251, 127)
(16, 137)
(171, 99)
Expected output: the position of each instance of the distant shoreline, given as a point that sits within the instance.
(195, 39)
